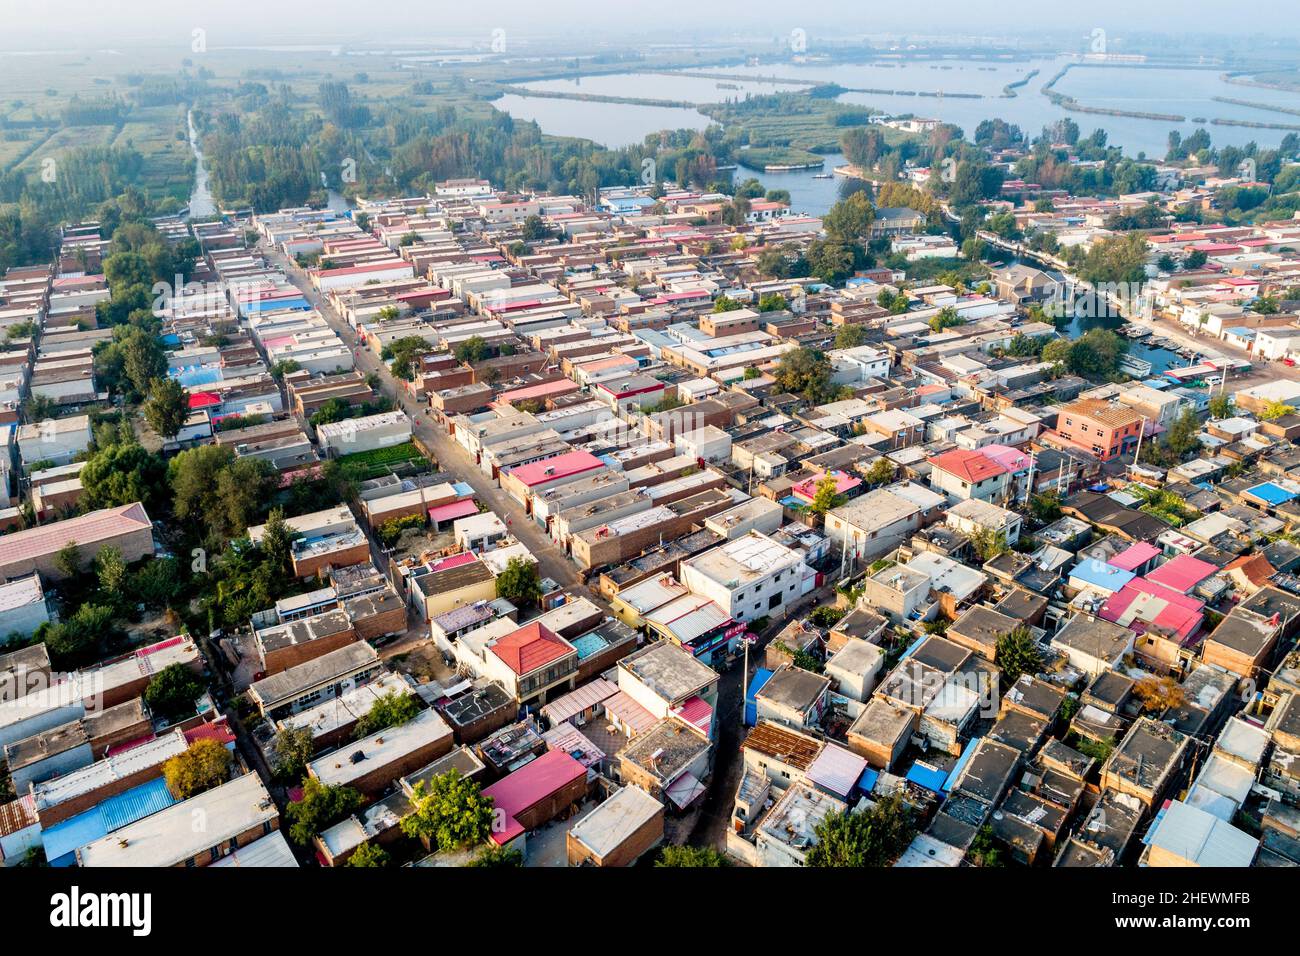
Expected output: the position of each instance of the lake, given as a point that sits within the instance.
(1183, 91)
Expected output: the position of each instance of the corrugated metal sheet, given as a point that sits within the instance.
(135, 804)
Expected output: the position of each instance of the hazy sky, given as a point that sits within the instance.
(38, 25)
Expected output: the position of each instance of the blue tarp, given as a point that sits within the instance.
(867, 782)
(761, 676)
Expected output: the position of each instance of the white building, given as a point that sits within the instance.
(364, 434)
(56, 440)
(22, 607)
(750, 577)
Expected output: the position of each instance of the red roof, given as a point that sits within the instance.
(529, 785)
(217, 730)
(532, 646)
(204, 399)
(87, 530)
(1182, 573)
(969, 466)
(457, 509)
(553, 469)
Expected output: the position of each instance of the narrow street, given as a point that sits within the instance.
(552, 561)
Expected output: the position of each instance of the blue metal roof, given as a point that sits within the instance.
(961, 762)
(867, 782)
(112, 814)
(1101, 574)
(62, 839)
(928, 777)
(136, 804)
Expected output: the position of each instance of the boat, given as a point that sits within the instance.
(1132, 365)
(823, 176)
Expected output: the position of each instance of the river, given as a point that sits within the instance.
(202, 205)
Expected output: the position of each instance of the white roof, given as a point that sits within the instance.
(925, 850)
(607, 827)
(346, 708)
(104, 772)
(21, 592)
(169, 837)
(1201, 838)
(269, 851)
(379, 749)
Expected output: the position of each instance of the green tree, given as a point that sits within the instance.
(805, 372)
(881, 472)
(319, 809)
(849, 220)
(68, 560)
(827, 496)
(500, 857)
(473, 349)
(850, 336)
(984, 849)
(450, 812)
(875, 837)
(519, 583)
(122, 473)
(1016, 653)
(293, 748)
(167, 407)
(172, 691)
(1221, 406)
(695, 856)
(390, 710)
(988, 543)
(725, 303)
(370, 854)
(277, 541)
(203, 765)
(110, 568)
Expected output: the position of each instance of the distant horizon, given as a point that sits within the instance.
(96, 24)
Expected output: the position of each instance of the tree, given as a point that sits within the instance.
(68, 560)
(167, 407)
(369, 854)
(827, 496)
(849, 220)
(1275, 410)
(725, 303)
(172, 692)
(390, 710)
(534, 229)
(1116, 259)
(696, 856)
(110, 568)
(805, 372)
(984, 850)
(473, 349)
(875, 837)
(319, 809)
(850, 336)
(881, 472)
(293, 748)
(1221, 406)
(143, 359)
(945, 318)
(1046, 507)
(449, 812)
(988, 543)
(772, 302)
(122, 473)
(277, 541)
(500, 857)
(519, 583)
(203, 765)
(1016, 653)
(1159, 694)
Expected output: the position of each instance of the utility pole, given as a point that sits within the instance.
(1137, 454)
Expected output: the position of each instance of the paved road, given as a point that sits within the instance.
(552, 561)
